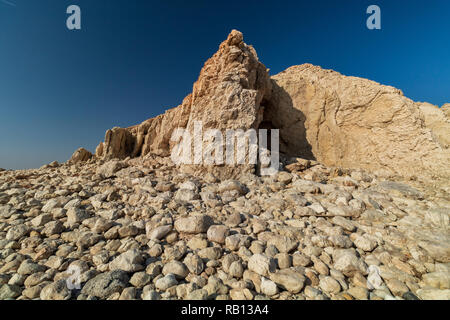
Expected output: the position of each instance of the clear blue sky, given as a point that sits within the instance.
(61, 89)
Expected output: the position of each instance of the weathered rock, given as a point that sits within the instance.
(227, 95)
(352, 122)
(130, 261)
(289, 280)
(217, 233)
(9, 291)
(105, 284)
(17, 232)
(56, 291)
(346, 261)
(176, 268)
(81, 155)
(261, 264)
(159, 232)
(110, 168)
(194, 224)
(329, 285)
(166, 282)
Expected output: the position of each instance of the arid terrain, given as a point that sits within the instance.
(360, 207)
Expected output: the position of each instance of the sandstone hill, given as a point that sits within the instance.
(322, 115)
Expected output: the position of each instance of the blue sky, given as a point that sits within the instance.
(133, 59)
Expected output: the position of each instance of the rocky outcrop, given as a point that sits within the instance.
(437, 121)
(227, 95)
(352, 122)
(81, 155)
(322, 115)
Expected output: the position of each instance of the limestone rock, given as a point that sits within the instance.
(352, 122)
(105, 284)
(194, 224)
(289, 280)
(228, 94)
(81, 155)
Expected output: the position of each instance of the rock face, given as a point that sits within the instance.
(438, 120)
(322, 115)
(228, 95)
(81, 155)
(352, 122)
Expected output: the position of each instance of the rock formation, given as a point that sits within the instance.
(322, 115)
(227, 95)
(352, 122)
(81, 155)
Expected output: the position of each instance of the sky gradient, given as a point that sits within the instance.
(133, 59)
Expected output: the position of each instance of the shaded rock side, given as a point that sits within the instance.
(352, 122)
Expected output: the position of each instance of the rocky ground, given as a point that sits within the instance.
(138, 229)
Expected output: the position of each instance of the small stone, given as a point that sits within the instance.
(329, 285)
(289, 280)
(151, 295)
(397, 287)
(76, 215)
(200, 294)
(236, 269)
(176, 268)
(53, 227)
(41, 220)
(166, 282)
(130, 261)
(363, 243)
(439, 280)
(9, 292)
(234, 220)
(261, 264)
(128, 231)
(155, 250)
(346, 261)
(140, 279)
(299, 259)
(359, 293)
(217, 233)
(128, 294)
(282, 243)
(237, 241)
(106, 284)
(268, 287)
(159, 232)
(197, 243)
(17, 232)
(194, 264)
(409, 296)
(56, 291)
(28, 267)
(434, 294)
(283, 260)
(194, 224)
